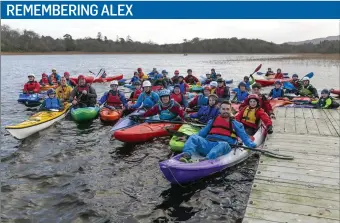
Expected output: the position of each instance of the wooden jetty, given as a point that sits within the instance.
(306, 189)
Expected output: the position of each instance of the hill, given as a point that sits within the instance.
(315, 41)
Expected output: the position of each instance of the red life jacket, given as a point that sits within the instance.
(113, 99)
(220, 92)
(31, 85)
(177, 97)
(44, 80)
(81, 88)
(136, 93)
(279, 76)
(222, 127)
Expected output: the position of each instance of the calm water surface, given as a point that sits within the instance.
(74, 173)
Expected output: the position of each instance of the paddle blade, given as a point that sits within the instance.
(310, 75)
(258, 68)
(259, 73)
(288, 85)
(229, 81)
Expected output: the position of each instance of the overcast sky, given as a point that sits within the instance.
(174, 31)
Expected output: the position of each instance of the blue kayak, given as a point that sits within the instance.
(31, 100)
(126, 122)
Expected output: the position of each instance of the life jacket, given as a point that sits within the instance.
(53, 79)
(174, 79)
(279, 76)
(220, 126)
(166, 114)
(241, 95)
(80, 92)
(148, 100)
(276, 93)
(136, 93)
(208, 113)
(202, 100)
(305, 90)
(178, 98)
(52, 103)
(113, 98)
(220, 91)
(249, 117)
(31, 85)
(191, 79)
(182, 86)
(247, 85)
(45, 80)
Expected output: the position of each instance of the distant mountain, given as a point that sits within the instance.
(315, 41)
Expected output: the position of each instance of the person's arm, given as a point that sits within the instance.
(25, 88)
(37, 88)
(123, 99)
(271, 93)
(260, 114)
(240, 132)
(205, 130)
(179, 111)
(239, 115)
(43, 106)
(92, 92)
(252, 81)
(151, 112)
(267, 106)
(139, 101)
(103, 98)
(194, 102)
(73, 94)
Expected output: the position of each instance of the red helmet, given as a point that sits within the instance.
(139, 69)
(44, 75)
(207, 88)
(81, 77)
(254, 96)
(66, 73)
(176, 71)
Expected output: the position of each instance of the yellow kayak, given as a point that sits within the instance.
(37, 122)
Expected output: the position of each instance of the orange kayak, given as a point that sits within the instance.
(279, 103)
(144, 132)
(89, 79)
(108, 115)
(46, 87)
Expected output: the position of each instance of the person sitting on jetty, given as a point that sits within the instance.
(213, 140)
(251, 115)
(63, 92)
(205, 113)
(52, 102)
(31, 86)
(147, 98)
(83, 95)
(177, 96)
(191, 79)
(307, 89)
(277, 91)
(325, 101)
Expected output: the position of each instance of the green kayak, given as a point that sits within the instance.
(195, 88)
(177, 145)
(84, 114)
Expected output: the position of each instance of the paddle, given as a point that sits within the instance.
(257, 69)
(138, 118)
(290, 86)
(265, 152)
(260, 73)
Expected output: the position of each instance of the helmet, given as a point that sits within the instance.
(147, 84)
(66, 73)
(305, 79)
(164, 72)
(278, 82)
(139, 69)
(54, 69)
(159, 76)
(295, 75)
(325, 91)
(213, 84)
(31, 75)
(81, 77)
(180, 76)
(50, 91)
(136, 83)
(114, 82)
(219, 80)
(246, 78)
(189, 70)
(212, 69)
(176, 72)
(207, 88)
(213, 96)
(44, 75)
(177, 85)
(242, 84)
(164, 92)
(253, 96)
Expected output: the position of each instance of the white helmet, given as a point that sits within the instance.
(213, 84)
(114, 82)
(305, 79)
(147, 84)
(31, 75)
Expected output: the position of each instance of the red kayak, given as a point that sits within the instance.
(144, 132)
(335, 91)
(91, 79)
(265, 83)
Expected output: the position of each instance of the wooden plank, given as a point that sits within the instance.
(284, 217)
(290, 113)
(335, 114)
(322, 127)
(305, 156)
(302, 146)
(302, 161)
(301, 126)
(298, 113)
(290, 125)
(279, 125)
(281, 113)
(311, 127)
(304, 149)
(307, 113)
(318, 114)
(311, 166)
(334, 123)
(306, 138)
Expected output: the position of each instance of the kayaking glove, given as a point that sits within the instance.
(270, 129)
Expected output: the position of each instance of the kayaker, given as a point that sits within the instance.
(166, 108)
(222, 91)
(54, 77)
(104, 75)
(252, 114)
(83, 95)
(135, 78)
(307, 89)
(113, 98)
(218, 76)
(44, 80)
(213, 86)
(159, 81)
(264, 102)
(148, 98)
(191, 79)
(248, 82)
(31, 86)
(208, 79)
(184, 86)
(135, 94)
(296, 83)
(167, 80)
(279, 74)
(277, 91)
(140, 73)
(69, 81)
(200, 100)
(213, 74)
(52, 102)
(63, 92)
(205, 113)
(269, 72)
(177, 96)
(174, 79)
(153, 73)
(213, 140)
(241, 93)
(325, 101)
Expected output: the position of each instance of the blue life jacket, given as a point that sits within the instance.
(207, 112)
(52, 103)
(248, 85)
(276, 93)
(166, 114)
(202, 101)
(241, 96)
(182, 87)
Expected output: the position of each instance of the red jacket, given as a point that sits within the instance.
(32, 86)
(259, 114)
(191, 79)
(176, 109)
(279, 76)
(264, 104)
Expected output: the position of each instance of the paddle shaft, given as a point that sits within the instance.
(265, 152)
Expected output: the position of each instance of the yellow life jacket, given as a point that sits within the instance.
(249, 116)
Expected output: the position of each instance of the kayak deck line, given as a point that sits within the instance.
(307, 188)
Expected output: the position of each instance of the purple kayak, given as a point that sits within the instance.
(180, 173)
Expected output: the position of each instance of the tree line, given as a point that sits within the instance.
(29, 41)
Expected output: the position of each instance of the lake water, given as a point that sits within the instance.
(74, 173)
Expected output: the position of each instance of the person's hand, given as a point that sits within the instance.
(270, 129)
(272, 116)
(182, 138)
(74, 102)
(84, 92)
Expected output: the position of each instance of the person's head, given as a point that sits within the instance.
(164, 96)
(325, 93)
(189, 71)
(159, 76)
(137, 85)
(81, 80)
(256, 88)
(220, 82)
(253, 100)
(212, 99)
(44, 75)
(114, 85)
(295, 77)
(242, 86)
(147, 86)
(177, 89)
(139, 70)
(270, 69)
(63, 81)
(305, 81)
(218, 76)
(154, 69)
(225, 109)
(54, 71)
(51, 93)
(67, 75)
(278, 84)
(213, 84)
(212, 70)
(31, 77)
(164, 72)
(278, 71)
(206, 91)
(136, 74)
(208, 75)
(180, 78)
(176, 72)
(246, 79)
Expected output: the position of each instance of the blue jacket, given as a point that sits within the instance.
(239, 129)
(57, 77)
(121, 97)
(147, 100)
(51, 103)
(241, 96)
(276, 93)
(206, 113)
(182, 87)
(134, 79)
